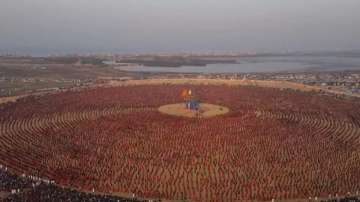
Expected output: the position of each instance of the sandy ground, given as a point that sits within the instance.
(261, 83)
(246, 82)
(205, 110)
(10, 99)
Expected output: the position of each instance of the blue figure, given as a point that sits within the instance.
(192, 104)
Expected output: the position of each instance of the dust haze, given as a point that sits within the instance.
(128, 26)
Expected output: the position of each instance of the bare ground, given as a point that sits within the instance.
(205, 111)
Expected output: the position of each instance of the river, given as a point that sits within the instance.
(264, 64)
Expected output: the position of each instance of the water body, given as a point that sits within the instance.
(265, 64)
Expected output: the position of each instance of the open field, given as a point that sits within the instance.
(272, 143)
(27, 75)
(19, 76)
(245, 82)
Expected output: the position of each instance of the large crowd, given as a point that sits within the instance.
(11, 183)
(344, 199)
(29, 189)
(15, 188)
(154, 155)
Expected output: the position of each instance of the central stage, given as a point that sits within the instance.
(205, 110)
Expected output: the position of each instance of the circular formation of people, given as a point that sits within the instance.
(271, 143)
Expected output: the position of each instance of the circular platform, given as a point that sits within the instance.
(205, 110)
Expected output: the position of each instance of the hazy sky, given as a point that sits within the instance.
(41, 26)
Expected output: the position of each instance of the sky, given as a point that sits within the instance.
(143, 26)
